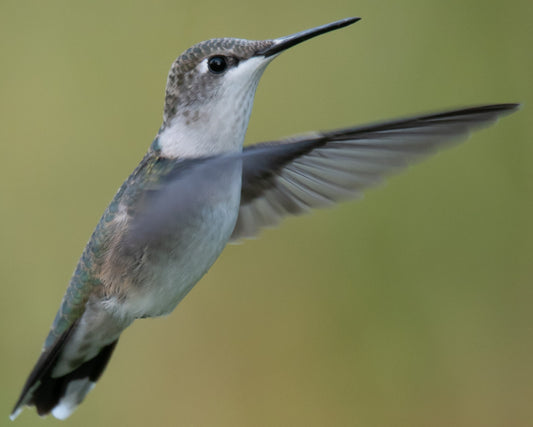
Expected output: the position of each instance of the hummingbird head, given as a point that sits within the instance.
(210, 90)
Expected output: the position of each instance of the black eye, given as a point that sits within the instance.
(217, 64)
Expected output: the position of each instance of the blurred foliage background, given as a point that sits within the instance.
(409, 308)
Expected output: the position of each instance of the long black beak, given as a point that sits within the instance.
(286, 42)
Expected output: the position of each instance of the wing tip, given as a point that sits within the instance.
(504, 108)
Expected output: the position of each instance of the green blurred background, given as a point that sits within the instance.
(409, 308)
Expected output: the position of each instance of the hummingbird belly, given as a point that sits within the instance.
(170, 268)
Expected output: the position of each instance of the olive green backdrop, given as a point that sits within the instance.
(409, 308)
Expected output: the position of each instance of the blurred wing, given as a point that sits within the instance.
(168, 207)
(294, 175)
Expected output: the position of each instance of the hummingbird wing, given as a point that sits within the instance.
(173, 205)
(289, 177)
(292, 176)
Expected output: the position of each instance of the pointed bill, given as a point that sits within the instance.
(286, 42)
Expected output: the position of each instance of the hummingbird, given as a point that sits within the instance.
(197, 189)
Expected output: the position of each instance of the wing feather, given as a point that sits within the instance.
(292, 176)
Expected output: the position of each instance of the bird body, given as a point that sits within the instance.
(196, 189)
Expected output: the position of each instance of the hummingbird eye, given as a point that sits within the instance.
(217, 64)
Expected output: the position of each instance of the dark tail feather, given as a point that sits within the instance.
(61, 395)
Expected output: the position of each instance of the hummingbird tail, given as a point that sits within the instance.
(61, 394)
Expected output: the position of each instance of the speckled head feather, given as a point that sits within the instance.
(182, 70)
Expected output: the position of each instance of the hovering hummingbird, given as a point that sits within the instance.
(197, 189)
